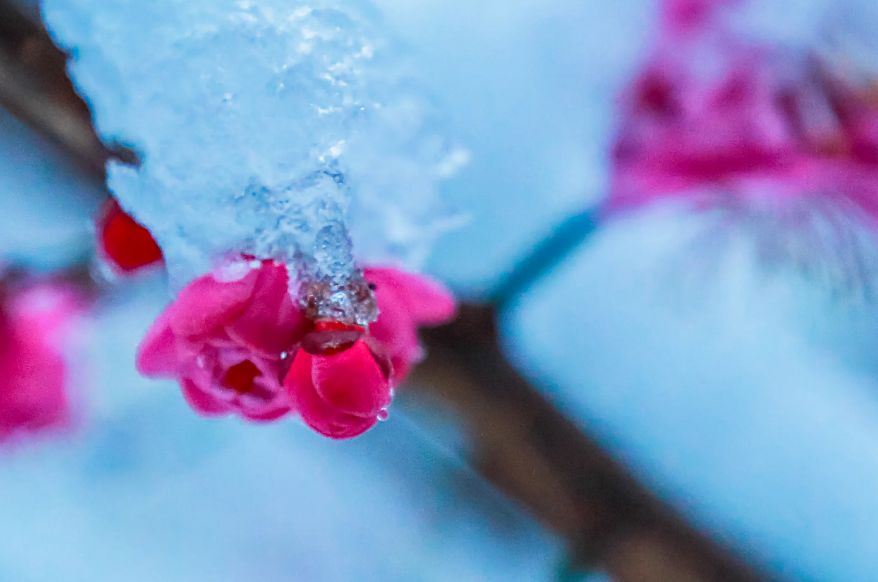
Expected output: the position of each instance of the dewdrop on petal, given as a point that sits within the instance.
(274, 129)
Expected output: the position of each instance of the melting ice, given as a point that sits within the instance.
(270, 128)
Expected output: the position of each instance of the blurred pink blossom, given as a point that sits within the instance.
(712, 114)
(774, 137)
(33, 389)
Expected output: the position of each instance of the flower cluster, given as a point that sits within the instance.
(244, 347)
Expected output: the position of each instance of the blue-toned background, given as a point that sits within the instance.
(748, 399)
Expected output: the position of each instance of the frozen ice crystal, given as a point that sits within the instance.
(273, 128)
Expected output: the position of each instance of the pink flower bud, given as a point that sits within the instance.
(340, 387)
(124, 244)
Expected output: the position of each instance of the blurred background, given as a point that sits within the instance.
(615, 402)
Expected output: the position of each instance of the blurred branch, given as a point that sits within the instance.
(35, 88)
(528, 449)
(545, 256)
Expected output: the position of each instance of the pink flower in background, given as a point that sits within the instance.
(33, 387)
(222, 341)
(775, 138)
(714, 114)
(228, 344)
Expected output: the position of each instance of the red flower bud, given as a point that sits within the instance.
(124, 243)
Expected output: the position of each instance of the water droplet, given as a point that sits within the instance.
(200, 361)
(283, 355)
(383, 414)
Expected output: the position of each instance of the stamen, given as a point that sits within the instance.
(240, 377)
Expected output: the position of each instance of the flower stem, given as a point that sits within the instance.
(548, 253)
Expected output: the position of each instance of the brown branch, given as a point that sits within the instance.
(524, 446)
(35, 88)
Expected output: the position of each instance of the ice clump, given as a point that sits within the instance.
(272, 128)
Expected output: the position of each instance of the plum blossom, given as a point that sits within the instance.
(223, 342)
(33, 391)
(339, 380)
(123, 243)
(342, 378)
(245, 347)
(765, 132)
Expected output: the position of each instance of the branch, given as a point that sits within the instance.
(525, 447)
(35, 88)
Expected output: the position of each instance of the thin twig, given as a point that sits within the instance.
(548, 253)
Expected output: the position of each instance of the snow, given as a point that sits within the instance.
(745, 396)
(270, 128)
(529, 87)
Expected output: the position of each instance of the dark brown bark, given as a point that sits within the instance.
(527, 448)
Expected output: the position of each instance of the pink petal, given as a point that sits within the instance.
(394, 328)
(47, 307)
(428, 302)
(271, 323)
(33, 395)
(686, 16)
(351, 381)
(157, 353)
(202, 402)
(316, 412)
(267, 401)
(401, 367)
(206, 304)
(271, 411)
